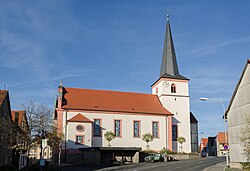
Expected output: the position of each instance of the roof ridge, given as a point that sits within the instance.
(111, 91)
(236, 87)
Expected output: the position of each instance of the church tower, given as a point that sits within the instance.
(173, 92)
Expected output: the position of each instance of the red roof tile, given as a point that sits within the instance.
(79, 118)
(103, 100)
(2, 95)
(221, 137)
(20, 115)
(204, 141)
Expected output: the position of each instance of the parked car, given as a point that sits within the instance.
(203, 154)
(154, 157)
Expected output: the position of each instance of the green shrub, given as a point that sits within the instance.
(246, 165)
(149, 151)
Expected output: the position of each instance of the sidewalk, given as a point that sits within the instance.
(221, 167)
(232, 169)
(218, 167)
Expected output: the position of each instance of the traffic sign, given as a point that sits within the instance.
(225, 147)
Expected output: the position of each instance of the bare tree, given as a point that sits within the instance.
(39, 117)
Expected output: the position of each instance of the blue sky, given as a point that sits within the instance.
(117, 45)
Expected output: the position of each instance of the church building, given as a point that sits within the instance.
(83, 116)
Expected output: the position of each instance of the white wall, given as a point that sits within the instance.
(178, 104)
(72, 133)
(239, 111)
(127, 139)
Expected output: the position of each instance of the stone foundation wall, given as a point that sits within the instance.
(185, 156)
(235, 165)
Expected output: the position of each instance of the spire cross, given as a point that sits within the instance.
(168, 17)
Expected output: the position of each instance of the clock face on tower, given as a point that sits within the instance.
(166, 83)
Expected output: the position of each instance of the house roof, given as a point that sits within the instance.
(3, 94)
(113, 101)
(169, 67)
(237, 87)
(79, 118)
(21, 114)
(221, 137)
(192, 118)
(204, 141)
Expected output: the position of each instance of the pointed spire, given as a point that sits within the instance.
(169, 67)
(60, 84)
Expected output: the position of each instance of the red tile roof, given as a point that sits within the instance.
(221, 137)
(114, 101)
(204, 141)
(20, 115)
(3, 94)
(79, 118)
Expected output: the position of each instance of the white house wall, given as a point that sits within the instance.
(239, 111)
(107, 124)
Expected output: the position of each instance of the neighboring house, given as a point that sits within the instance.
(20, 137)
(211, 146)
(19, 119)
(220, 142)
(83, 116)
(194, 133)
(36, 150)
(203, 144)
(238, 115)
(5, 128)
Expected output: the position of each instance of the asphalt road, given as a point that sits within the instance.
(184, 165)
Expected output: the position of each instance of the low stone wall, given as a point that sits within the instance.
(185, 156)
(235, 165)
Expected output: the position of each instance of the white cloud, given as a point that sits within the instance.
(216, 46)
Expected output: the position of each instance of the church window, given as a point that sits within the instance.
(137, 128)
(97, 127)
(80, 128)
(173, 88)
(155, 129)
(174, 132)
(156, 89)
(79, 139)
(118, 128)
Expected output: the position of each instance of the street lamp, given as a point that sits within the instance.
(224, 113)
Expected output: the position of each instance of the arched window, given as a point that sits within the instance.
(156, 89)
(173, 88)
